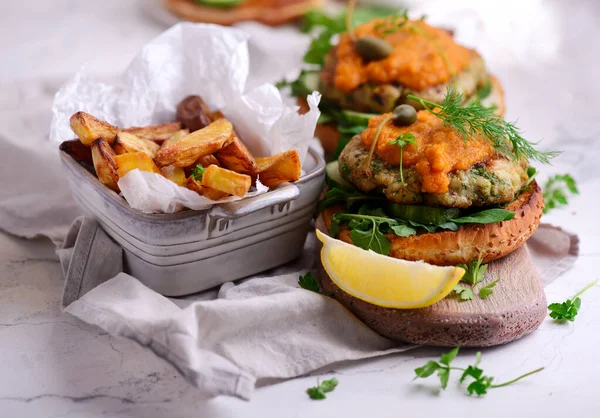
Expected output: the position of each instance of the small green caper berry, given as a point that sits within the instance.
(405, 115)
(372, 48)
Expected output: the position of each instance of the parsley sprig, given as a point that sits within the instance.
(308, 282)
(198, 172)
(318, 392)
(474, 119)
(557, 189)
(402, 141)
(568, 310)
(480, 383)
(475, 273)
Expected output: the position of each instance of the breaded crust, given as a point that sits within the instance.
(189, 10)
(491, 241)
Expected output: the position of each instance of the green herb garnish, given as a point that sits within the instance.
(309, 282)
(556, 190)
(475, 272)
(318, 392)
(568, 310)
(473, 119)
(463, 292)
(480, 384)
(487, 290)
(402, 141)
(198, 172)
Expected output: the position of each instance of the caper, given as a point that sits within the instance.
(405, 115)
(372, 48)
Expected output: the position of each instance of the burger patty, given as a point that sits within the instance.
(495, 181)
(382, 98)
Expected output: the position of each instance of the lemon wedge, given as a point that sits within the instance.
(386, 281)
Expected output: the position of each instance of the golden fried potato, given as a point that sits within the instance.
(128, 142)
(133, 160)
(175, 174)
(187, 150)
(279, 168)
(212, 194)
(105, 165)
(182, 133)
(155, 132)
(207, 160)
(88, 128)
(226, 181)
(236, 157)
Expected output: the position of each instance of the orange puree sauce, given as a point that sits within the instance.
(440, 150)
(415, 62)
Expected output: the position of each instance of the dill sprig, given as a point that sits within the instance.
(474, 119)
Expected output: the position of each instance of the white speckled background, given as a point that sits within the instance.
(545, 53)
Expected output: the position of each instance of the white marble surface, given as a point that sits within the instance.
(56, 366)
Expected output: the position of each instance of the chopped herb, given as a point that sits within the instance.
(556, 190)
(464, 293)
(475, 272)
(473, 120)
(402, 141)
(480, 384)
(318, 392)
(309, 282)
(198, 172)
(568, 310)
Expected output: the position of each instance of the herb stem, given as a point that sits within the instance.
(517, 379)
(585, 288)
(349, 28)
(367, 168)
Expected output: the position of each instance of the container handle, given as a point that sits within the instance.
(283, 194)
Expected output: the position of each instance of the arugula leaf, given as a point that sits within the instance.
(198, 172)
(371, 239)
(568, 310)
(318, 49)
(475, 272)
(556, 190)
(464, 293)
(487, 290)
(318, 392)
(486, 217)
(309, 282)
(403, 230)
(336, 195)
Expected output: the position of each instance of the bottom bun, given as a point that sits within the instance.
(272, 16)
(489, 241)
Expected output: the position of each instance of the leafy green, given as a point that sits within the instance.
(318, 19)
(309, 282)
(464, 293)
(557, 189)
(484, 91)
(404, 230)
(473, 119)
(198, 172)
(475, 272)
(487, 290)
(487, 216)
(568, 310)
(336, 195)
(480, 384)
(402, 141)
(318, 392)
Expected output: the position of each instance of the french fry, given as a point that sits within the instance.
(279, 168)
(207, 160)
(155, 132)
(226, 181)
(187, 150)
(133, 160)
(182, 133)
(127, 142)
(236, 157)
(88, 128)
(175, 174)
(212, 194)
(105, 165)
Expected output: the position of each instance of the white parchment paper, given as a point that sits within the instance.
(201, 59)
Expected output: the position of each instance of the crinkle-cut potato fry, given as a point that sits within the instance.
(205, 191)
(226, 181)
(105, 165)
(128, 142)
(133, 160)
(188, 149)
(236, 157)
(155, 132)
(89, 128)
(175, 174)
(279, 168)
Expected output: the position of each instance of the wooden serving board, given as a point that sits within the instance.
(516, 308)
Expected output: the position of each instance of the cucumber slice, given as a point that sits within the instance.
(333, 172)
(219, 3)
(423, 214)
(357, 118)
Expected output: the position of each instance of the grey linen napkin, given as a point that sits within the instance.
(255, 331)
